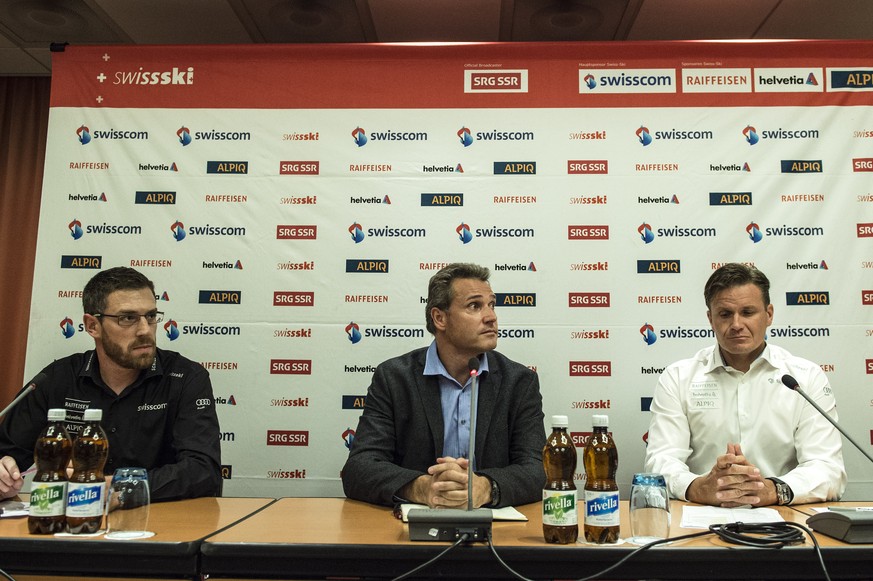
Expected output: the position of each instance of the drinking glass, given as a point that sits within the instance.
(128, 506)
(649, 508)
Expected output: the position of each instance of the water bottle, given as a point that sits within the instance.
(601, 491)
(48, 493)
(560, 518)
(86, 491)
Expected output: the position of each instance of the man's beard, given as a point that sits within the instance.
(125, 359)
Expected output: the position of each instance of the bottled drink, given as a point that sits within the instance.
(601, 492)
(560, 518)
(48, 493)
(86, 491)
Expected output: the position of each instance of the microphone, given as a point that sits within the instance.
(846, 524)
(449, 524)
(473, 366)
(40, 377)
(792, 384)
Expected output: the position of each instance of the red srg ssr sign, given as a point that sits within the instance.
(590, 368)
(287, 437)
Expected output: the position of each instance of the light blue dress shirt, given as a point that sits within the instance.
(455, 401)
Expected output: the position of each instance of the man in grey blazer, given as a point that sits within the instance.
(412, 441)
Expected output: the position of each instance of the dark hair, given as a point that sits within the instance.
(440, 293)
(108, 281)
(735, 274)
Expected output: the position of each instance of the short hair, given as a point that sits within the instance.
(440, 293)
(106, 282)
(734, 274)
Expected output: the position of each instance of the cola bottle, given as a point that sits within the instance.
(87, 487)
(601, 491)
(48, 492)
(560, 517)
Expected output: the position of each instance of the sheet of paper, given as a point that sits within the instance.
(13, 508)
(505, 513)
(700, 517)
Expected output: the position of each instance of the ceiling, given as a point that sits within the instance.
(28, 27)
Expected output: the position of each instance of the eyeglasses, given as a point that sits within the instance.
(131, 319)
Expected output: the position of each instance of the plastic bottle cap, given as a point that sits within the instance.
(57, 415)
(600, 421)
(559, 422)
(93, 415)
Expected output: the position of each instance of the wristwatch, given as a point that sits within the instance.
(495, 493)
(784, 494)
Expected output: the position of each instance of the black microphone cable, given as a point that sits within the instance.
(762, 536)
(462, 539)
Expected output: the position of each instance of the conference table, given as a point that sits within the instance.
(173, 552)
(320, 538)
(317, 538)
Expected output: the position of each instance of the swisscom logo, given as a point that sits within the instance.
(627, 81)
(753, 136)
(466, 233)
(356, 231)
(465, 135)
(180, 232)
(355, 335)
(647, 233)
(77, 230)
(361, 138)
(185, 137)
(646, 137)
(648, 333)
(85, 135)
(756, 233)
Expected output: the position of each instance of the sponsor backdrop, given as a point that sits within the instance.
(291, 202)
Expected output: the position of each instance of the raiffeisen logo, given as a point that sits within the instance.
(174, 76)
(464, 233)
(86, 135)
(67, 328)
(648, 333)
(646, 137)
(627, 81)
(185, 136)
(356, 231)
(807, 298)
(77, 231)
(753, 136)
(180, 232)
(361, 137)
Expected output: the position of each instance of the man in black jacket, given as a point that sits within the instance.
(412, 441)
(158, 406)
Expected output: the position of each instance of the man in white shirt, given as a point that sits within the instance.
(725, 430)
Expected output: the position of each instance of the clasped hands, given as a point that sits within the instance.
(445, 485)
(732, 482)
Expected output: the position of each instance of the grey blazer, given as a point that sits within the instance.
(400, 434)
